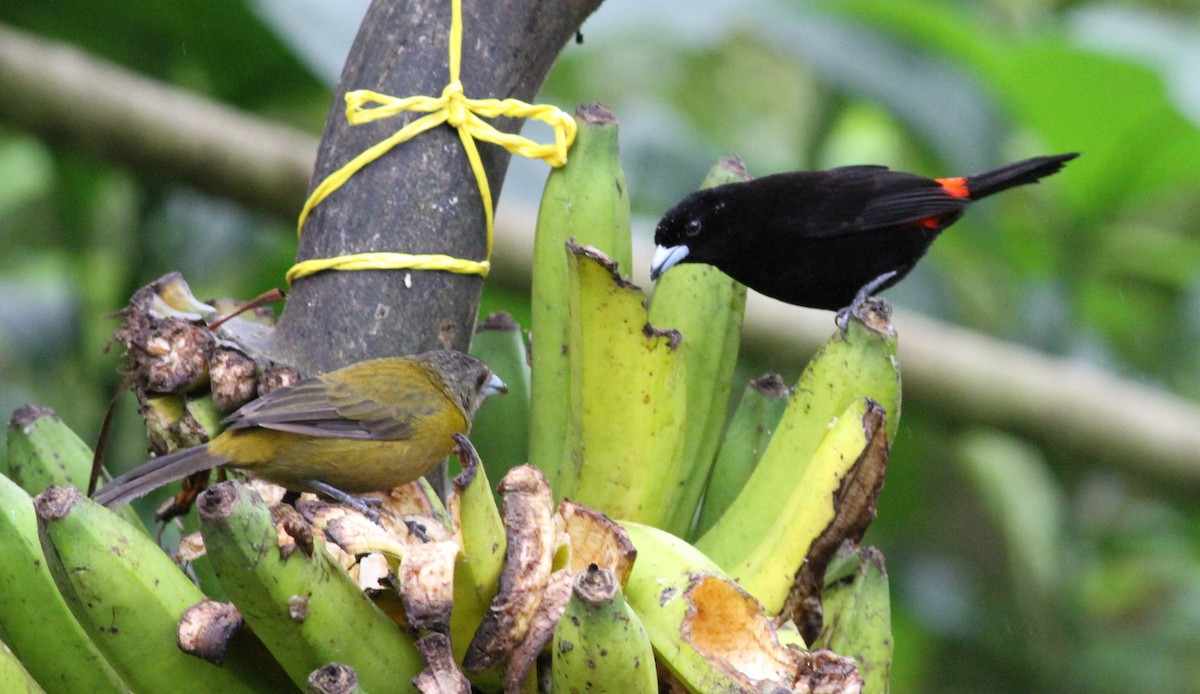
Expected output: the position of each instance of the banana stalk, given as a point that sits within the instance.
(129, 597)
(502, 425)
(587, 201)
(334, 678)
(706, 307)
(858, 620)
(745, 441)
(633, 391)
(835, 384)
(34, 615)
(304, 607)
(44, 452)
(600, 644)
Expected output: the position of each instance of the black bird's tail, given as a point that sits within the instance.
(155, 473)
(1016, 174)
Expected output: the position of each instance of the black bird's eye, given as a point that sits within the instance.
(692, 227)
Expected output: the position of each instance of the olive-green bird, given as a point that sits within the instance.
(367, 427)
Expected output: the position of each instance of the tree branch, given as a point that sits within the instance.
(74, 100)
(421, 197)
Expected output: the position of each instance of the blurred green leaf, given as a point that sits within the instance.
(28, 169)
(1072, 99)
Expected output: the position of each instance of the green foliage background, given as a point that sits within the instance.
(1014, 567)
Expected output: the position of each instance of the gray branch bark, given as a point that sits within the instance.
(422, 196)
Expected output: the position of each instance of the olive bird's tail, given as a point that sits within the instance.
(155, 473)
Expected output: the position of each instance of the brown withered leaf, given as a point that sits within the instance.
(427, 584)
(191, 547)
(371, 572)
(529, 528)
(854, 509)
(595, 538)
(358, 535)
(826, 672)
(541, 629)
(292, 532)
(441, 674)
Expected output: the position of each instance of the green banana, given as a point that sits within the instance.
(43, 451)
(706, 307)
(502, 426)
(13, 674)
(482, 541)
(34, 615)
(305, 608)
(587, 201)
(768, 572)
(600, 644)
(857, 611)
(633, 391)
(128, 596)
(834, 385)
(691, 612)
(177, 421)
(745, 441)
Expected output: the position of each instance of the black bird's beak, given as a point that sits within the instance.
(666, 257)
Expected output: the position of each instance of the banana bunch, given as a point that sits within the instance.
(716, 575)
(637, 430)
(426, 595)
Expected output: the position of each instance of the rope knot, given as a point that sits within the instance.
(456, 105)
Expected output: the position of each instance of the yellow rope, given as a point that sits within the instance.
(465, 115)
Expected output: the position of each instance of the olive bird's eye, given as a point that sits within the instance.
(692, 227)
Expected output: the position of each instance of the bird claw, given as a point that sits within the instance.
(365, 505)
(368, 506)
(842, 319)
(417, 530)
(854, 310)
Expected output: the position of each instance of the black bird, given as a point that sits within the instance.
(826, 239)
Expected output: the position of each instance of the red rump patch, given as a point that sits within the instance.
(956, 187)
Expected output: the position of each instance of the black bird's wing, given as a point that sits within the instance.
(855, 199)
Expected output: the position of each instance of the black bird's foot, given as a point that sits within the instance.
(854, 310)
(365, 505)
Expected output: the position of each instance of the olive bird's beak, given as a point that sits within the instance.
(494, 386)
(666, 257)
